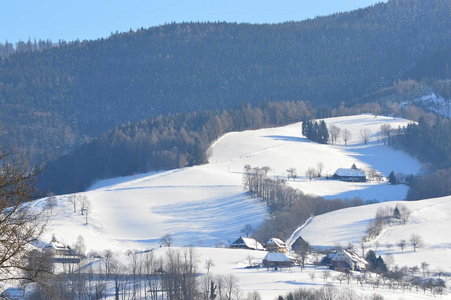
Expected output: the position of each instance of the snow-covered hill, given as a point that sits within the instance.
(430, 219)
(205, 205)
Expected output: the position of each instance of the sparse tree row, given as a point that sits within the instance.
(175, 275)
(170, 142)
(328, 292)
(289, 207)
(386, 216)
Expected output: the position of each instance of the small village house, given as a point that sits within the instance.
(276, 245)
(352, 175)
(346, 260)
(277, 260)
(246, 243)
(57, 248)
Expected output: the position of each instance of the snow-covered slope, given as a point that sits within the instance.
(431, 219)
(206, 205)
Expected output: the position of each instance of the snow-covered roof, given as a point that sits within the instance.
(276, 256)
(250, 243)
(56, 245)
(353, 256)
(276, 241)
(350, 172)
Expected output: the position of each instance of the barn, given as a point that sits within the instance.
(352, 175)
(246, 243)
(277, 260)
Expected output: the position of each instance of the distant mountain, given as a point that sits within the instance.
(52, 101)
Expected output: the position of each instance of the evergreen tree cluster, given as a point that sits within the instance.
(52, 100)
(315, 131)
(430, 143)
(8, 49)
(377, 264)
(163, 143)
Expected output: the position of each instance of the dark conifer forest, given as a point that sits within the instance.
(54, 98)
(170, 142)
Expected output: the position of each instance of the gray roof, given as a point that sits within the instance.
(350, 173)
(276, 257)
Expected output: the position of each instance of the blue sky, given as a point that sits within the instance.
(92, 19)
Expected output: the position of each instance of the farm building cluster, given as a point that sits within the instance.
(280, 255)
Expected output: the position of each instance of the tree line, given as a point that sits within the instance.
(176, 274)
(430, 142)
(52, 101)
(288, 207)
(174, 141)
(7, 49)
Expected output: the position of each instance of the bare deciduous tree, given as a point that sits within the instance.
(82, 201)
(292, 173)
(85, 206)
(50, 202)
(320, 168)
(416, 241)
(108, 257)
(346, 136)
(266, 169)
(74, 201)
(79, 247)
(401, 244)
(389, 246)
(310, 173)
(326, 275)
(385, 133)
(19, 224)
(166, 240)
(230, 286)
(400, 178)
(209, 264)
(247, 229)
(254, 295)
(250, 260)
(365, 135)
(312, 276)
(334, 133)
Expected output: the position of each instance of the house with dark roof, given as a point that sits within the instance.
(300, 243)
(246, 243)
(276, 245)
(346, 260)
(352, 175)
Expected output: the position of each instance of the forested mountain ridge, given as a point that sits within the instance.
(50, 100)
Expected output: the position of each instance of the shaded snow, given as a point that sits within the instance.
(206, 205)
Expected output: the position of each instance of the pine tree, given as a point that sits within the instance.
(392, 178)
(396, 213)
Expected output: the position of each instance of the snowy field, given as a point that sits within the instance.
(203, 206)
(206, 205)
